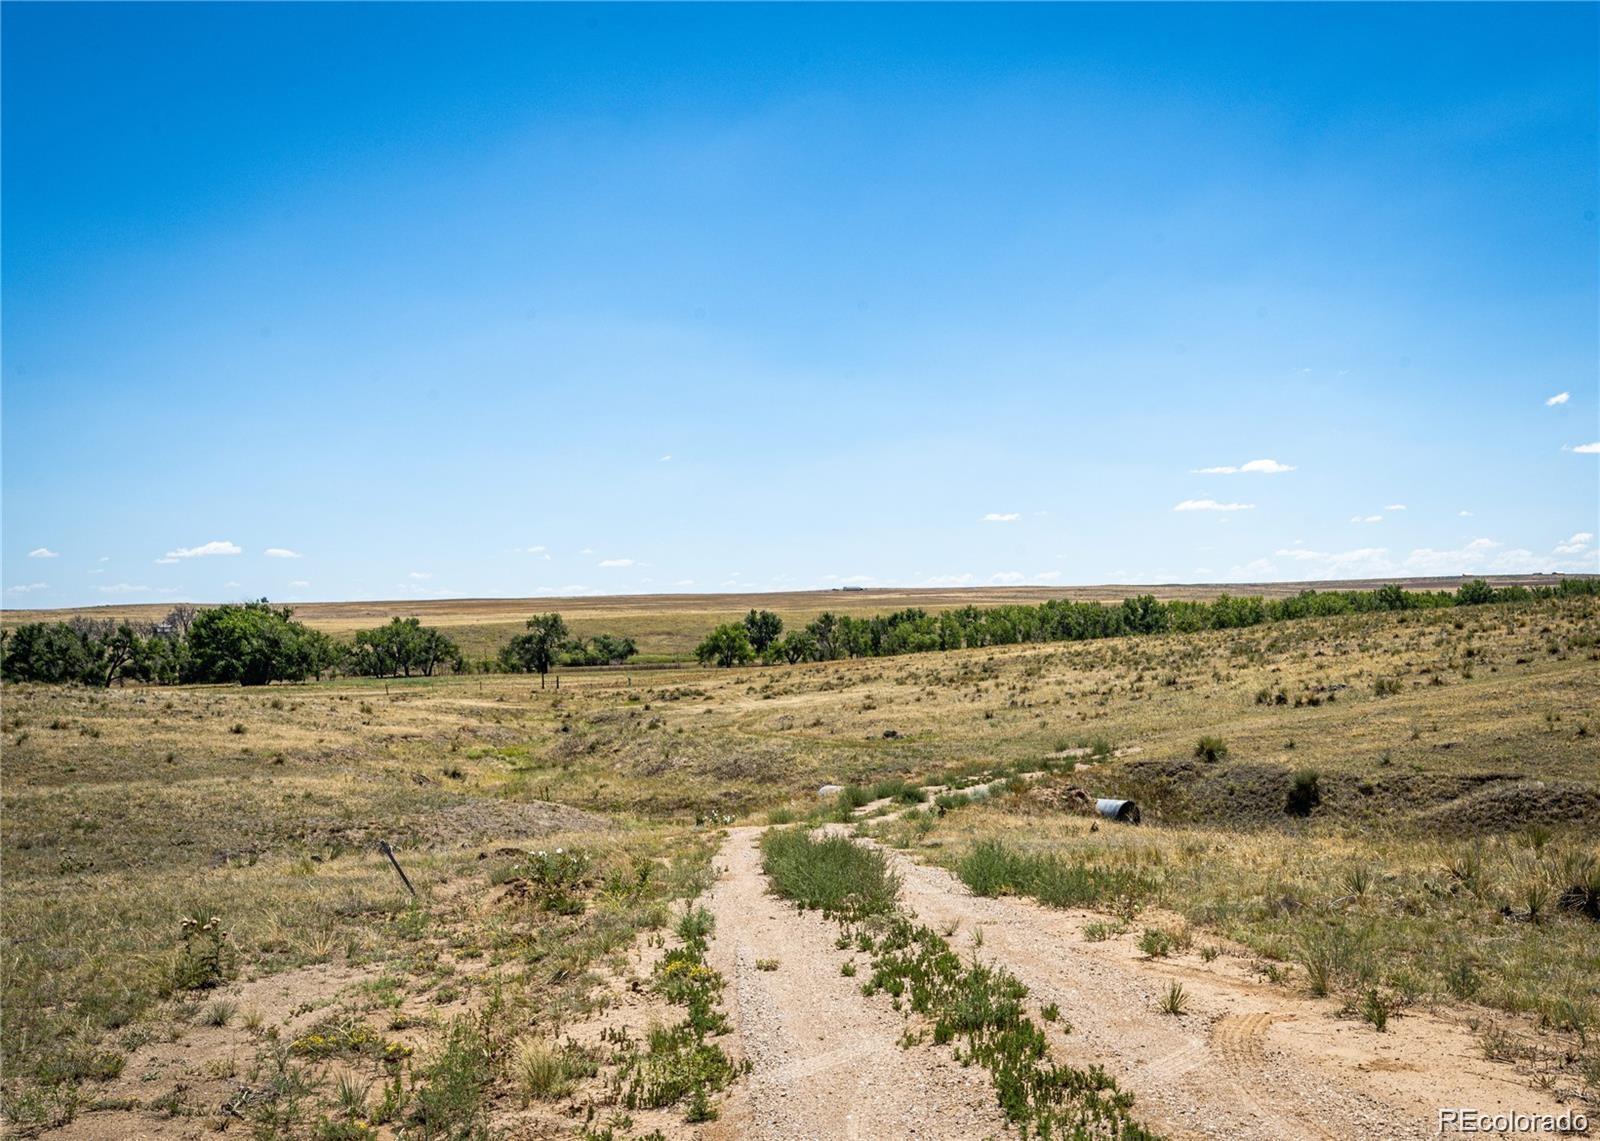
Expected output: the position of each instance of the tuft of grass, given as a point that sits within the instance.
(1376, 1009)
(991, 868)
(1211, 749)
(834, 875)
(854, 796)
(898, 790)
(1174, 1001)
(546, 1072)
(1155, 943)
(219, 1013)
(1305, 793)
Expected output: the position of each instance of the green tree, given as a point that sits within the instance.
(1391, 597)
(46, 652)
(535, 651)
(824, 629)
(762, 627)
(1474, 593)
(612, 649)
(727, 645)
(251, 643)
(405, 644)
(796, 646)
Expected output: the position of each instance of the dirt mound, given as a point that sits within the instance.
(1257, 794)
(1516, 805)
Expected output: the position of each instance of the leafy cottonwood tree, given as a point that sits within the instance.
(727, 645)
(763, 628)
(535, 651)
(253, 643)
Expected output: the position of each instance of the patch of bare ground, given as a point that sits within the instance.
(182, 1086)
(825, 1061)
(1248, 1060)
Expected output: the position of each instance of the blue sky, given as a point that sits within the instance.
(321, 302)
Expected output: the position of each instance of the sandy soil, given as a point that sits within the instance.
(1250, 1060)
(826, 1062)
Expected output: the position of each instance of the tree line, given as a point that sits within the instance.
(256, 643)
(761, 637)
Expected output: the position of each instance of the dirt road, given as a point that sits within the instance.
(826, 1061)
(1250, 1059)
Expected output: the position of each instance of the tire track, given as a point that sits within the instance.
(825, 1061)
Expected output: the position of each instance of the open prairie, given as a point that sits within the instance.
(1361, 900)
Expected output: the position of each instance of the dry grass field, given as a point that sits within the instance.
(1454, 757)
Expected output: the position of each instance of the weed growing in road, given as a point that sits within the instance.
(838, 877)
(975, 1008)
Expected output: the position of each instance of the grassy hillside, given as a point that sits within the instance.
(127, 809)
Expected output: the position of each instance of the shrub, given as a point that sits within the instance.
(1155, 943)
(1211, 749)
(854, 796)
(898, 790)
(1304, 794)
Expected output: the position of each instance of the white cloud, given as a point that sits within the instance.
(616, 562)
(949, 580)
(27, 588)
(1366, 518)
(123, 588)
(1007, 578)
(280, 553)
(98, 570)
(1255, 567)
(684, 582)
(43, 553)
(1481, 556)
(666, 458)
(299, 582)
(1212, 505)
(850, 579)
(1558, 398)
(1395, 507)
(572, 588)
(1588, 449)
(231, 585)
(215, 547)
(1464, 513)
(104, 559)
(1575, 545)
(1047, 576)
(1001, 517)
(539, 550)
(164, 562)
(1358, 563)
(419, 575)
(1249, 467)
